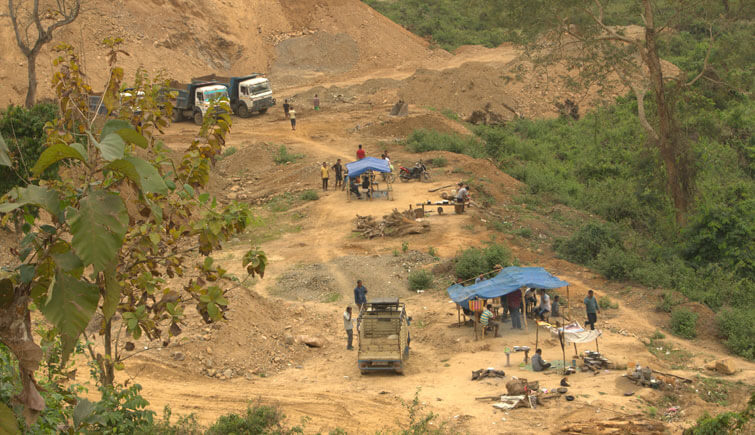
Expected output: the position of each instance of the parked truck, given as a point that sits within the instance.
(383, 328)
(248, 94)
(193, 99)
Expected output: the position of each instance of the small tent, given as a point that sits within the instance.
(506, 281)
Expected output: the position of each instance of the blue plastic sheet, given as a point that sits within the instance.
(506, 281)
(367, 164)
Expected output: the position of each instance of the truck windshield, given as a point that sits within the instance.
(216, 95)
(259, 88)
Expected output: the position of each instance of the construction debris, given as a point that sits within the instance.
(516, 387)
(396, 224)
(635, 424)
(594, 361)
(487, 373)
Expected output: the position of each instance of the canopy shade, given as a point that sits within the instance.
(506, 281)
(367, 164)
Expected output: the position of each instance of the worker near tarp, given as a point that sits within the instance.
(360, 295)
(514, 301)
(486, 319)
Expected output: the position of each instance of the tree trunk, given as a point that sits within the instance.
(15, 332)
(108, 365)
(31, 92)
(674, 149)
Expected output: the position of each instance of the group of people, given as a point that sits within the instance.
(290, 113)
(339, 173)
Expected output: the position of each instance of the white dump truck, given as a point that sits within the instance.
(248, 94)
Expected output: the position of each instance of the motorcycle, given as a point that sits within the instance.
(418, 172)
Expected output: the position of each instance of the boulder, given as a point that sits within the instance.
(311, 340)
(725, 367)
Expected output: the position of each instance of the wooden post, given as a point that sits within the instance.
(524, 308)
(458, 314)
(476, 321)
(563, 347)
(576, 352)
(537, 335)
(597, 347)
(568, 303)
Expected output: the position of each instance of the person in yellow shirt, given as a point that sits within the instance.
(325, 174)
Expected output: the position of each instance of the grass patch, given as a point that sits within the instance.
(309, 195)
(420, 280)
(283, 156)
(684, 323)
(331, 297)
(667, 352)
(524, 233)
(438, 162)
(605, 303)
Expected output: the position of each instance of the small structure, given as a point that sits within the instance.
(367, 166)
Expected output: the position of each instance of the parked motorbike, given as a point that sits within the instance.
(418, 172)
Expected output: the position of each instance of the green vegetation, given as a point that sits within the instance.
(23, 130)
(605, 303)
(309, 195)
(420, 279)
(472, 262)
(431, 251)
(724, 423)
(666, 351)
(259, 419)
(739, 328)
(331, 297)
(438, 162)
(423, 140)
(229, 152)
(283, 156)
(684, 323)
(404, 246)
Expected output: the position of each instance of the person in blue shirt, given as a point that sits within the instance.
(360, 295)
(592, 308)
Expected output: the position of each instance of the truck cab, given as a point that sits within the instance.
(206, 95)
(383, 328)
(254, 95)
(192, 100)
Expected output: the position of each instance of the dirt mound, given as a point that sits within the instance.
(188, 38)
(403, 127)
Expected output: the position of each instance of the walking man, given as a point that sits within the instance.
(591, 305)
(348, 325)
(360, 295)
(325, 174)
(338, 168)
(360, 153)
(292, 117)
(316, 102)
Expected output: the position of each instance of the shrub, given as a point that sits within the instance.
(23, 131)
(420, 280)
(615, 263)
(668, 302)
(605, 303)
(725, 423)
(420, 141)
(283, 156)
(737, 326)
(474, 261)
(433, 252)
(683, 323)
(229, 151)
(588, 242)
(438, 162)
(524, 232)
(259, 419)
(309, 195)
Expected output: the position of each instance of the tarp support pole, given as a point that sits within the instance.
(537, 335)
(524, 308)
(597, 347)
(568, 303)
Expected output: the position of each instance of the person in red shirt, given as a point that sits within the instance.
(360, 153)
(515, 306)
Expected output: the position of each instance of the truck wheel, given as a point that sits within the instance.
(399, 370)
(198, 118)
(244, 111)
(262, 111)
(363, 372)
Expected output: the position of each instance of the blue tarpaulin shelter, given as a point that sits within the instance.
(367, 164)
(506, 281)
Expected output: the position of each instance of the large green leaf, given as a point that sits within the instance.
(54, 154)
(112, 292)
(98, 228)
(35, 195)
(70, 306)
(132, 136)
(4, 151)
(140, 172)
(111, 146)
(114, 125)
(8, 422)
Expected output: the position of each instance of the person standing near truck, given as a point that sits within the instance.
(292, 117)
(316, 102)
(286, 107)
(360, 295)
(348, 325)
(338, 168)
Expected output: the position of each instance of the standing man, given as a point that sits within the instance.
(349, 327)
(591, 305)
(292, 117)
(462, 195)
(360, 295)
(338, 168)
(325, 174)
(360, 153)
(286, 106)
(515, 306)
(316, 102)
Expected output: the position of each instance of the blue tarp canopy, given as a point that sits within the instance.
(506, 281)
(367, 164)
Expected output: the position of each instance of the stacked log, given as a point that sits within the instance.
(396, 224)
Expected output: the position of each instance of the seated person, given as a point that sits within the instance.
(529, 299)
(555, 308)
(354, 187)
(545, 305)
(486, 320)
(538, 365)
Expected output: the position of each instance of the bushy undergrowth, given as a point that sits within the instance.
(684, 323)
(422, 140)
(728, 422)
(284, 156)
(259, 419)
(420, 280)
(472, 262)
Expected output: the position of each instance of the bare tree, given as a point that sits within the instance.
(34, 26)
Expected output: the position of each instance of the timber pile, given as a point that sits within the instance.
(616, 425)
(595, 361)
(396, 224)
(487, 373)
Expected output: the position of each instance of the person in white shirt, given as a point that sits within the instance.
(545, 305)
(348, 325)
